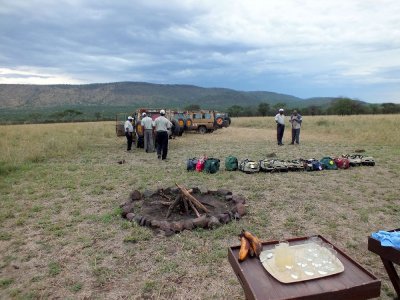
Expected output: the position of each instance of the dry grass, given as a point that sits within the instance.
(61, 234)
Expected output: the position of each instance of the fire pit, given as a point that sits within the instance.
(175, 209)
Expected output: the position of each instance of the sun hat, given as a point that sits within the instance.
(143, 114)
(281, 109)
(162, 112)
(130, 118)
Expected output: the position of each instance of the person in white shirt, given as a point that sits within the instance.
(129, 132)
(280, 126)
(148, 126)
(162, 124)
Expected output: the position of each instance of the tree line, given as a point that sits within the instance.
(340, 106)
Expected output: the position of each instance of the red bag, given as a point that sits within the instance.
(342, 162)
(200, 164)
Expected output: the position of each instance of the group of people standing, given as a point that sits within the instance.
(159, 127)
(295, 120)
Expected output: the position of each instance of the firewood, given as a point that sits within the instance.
(192, 199)
(194, 209)
(185, 203)
(176, 201)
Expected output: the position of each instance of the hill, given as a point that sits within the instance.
(133, 94)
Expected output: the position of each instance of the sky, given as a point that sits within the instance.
(304, 48)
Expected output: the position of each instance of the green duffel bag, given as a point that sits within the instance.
(231, 163)
(328, 163)
(211, 165)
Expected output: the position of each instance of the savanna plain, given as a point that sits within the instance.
(61, 234)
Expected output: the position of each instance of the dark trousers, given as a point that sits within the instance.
(280, 129)
(129, 140)
(162, 144)
(295, 135)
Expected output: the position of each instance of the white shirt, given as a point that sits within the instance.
(147, 122)
(280, 118)
(162, 124)
(128, 126)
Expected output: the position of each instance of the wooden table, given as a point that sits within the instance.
(388, 256)
(354, 283)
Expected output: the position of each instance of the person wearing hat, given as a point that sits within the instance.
(280, 126)
(296, 120)
(148, 125)
(129, 132)
(162, 124)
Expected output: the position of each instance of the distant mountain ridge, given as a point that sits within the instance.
(141, 94)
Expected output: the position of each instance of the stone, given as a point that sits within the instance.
(155, 223)
(224, 192)
(126, 209)
(130, 216)
(168, 232)
(240, 209)
(137, 219)
(142, 221)
(201, 222)
(147, 223)
(177, 226)
(238, 199)
(135, 195)
(188, 224)
(228, 197)
(213, 222)
(224, 218)
(147, 194)
(165, 226)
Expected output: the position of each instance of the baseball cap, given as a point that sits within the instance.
(162, 112)
(130, 118)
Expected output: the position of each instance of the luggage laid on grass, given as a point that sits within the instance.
(191, 164)
(295, 165)
(211, 165)
(328, 163)
(200, 164)
(273, 165)
(249, 166)
(231, 163)
(342, 162)
(312, 164)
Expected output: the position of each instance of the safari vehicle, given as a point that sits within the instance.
(201, 121)
(154, 114)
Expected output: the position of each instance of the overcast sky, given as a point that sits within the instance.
(304, 48)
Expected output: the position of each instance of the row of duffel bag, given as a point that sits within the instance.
(211, 165)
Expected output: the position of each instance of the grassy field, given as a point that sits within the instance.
(61, 235)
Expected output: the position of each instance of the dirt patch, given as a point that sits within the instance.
(168, 210)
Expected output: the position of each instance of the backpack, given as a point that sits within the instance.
(249, 166)
(231, 163)
(328, 163)
(200, 164)
(191, 164)
(265, 165)
(342, 162)
(211, 165)
(312, 165)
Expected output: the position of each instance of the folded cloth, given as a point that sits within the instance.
(388, 238)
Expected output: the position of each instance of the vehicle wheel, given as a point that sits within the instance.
(219, 121)
(175, 128)
(202, 129)
(189, 123)
(226, 124)
(181, 122)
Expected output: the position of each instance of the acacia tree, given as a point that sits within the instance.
(263, 109)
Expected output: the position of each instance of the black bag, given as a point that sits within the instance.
(191, 164)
